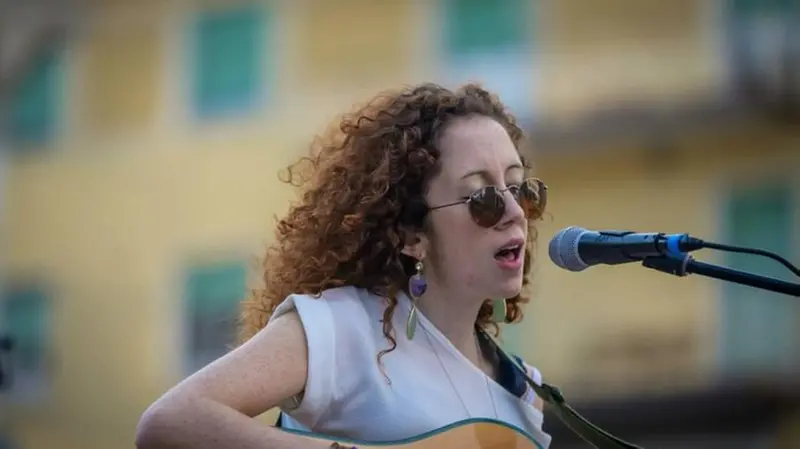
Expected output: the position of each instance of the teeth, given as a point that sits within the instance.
(516, 249)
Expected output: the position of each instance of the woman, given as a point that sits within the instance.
(372, 322)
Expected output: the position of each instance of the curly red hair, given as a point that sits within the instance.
(364, 184)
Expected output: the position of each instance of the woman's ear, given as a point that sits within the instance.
(415, 244)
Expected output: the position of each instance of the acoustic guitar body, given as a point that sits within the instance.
(468, 434)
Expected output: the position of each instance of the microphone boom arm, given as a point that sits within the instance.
(684, 264)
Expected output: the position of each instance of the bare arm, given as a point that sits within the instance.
(214, 407)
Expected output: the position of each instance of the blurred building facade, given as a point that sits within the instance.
(143, 152)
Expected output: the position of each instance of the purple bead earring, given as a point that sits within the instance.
(416, 287)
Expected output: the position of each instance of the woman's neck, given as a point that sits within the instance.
(455, 319)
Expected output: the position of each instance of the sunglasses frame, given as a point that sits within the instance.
(541, 192)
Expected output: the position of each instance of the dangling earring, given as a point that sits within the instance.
(499, 311)
(416, 287)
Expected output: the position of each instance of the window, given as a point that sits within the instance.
(35, 100)
(25, 318)
(213, 293)
(761, 33)
(491, 43)
(480, 27)
(229, 59)
(759, 328)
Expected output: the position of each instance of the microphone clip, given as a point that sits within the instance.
(683, 264)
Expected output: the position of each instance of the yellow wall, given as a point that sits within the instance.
(135, 188)
(682, 191)
(600, 54)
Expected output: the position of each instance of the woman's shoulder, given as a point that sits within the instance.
(340, 332)
(345, 315)
(328, 301)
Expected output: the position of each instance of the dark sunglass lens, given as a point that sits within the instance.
(487, 207)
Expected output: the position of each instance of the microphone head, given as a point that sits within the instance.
(563, 249)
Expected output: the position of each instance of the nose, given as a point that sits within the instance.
(514, 214)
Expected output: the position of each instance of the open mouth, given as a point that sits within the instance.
(509, 253)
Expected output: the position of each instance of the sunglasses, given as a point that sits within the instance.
(487, 205)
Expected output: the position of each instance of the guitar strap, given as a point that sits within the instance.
(551, 395)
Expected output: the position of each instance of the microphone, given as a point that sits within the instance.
(576, 249)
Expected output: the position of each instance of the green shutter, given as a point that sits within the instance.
(756, 8)
(481, 26)
(229, 59)
(34, 102)
(759, 328)
(27, 322)
(213, 293)
(761, 218)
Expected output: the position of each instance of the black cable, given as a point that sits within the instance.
(756, 252)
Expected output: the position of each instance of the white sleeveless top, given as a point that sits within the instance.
(430, 384)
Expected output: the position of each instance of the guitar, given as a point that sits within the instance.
(467, 434)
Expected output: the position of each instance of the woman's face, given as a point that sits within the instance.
(458, 253)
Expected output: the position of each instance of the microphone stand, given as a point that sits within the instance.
(684, 264)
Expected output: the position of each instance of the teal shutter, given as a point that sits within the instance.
(760, 329)
(35, 101)
(229, 62)
(480, 26)
(755, 8)
(213, 293)
(26, 319)
(491, 42)
(759, 32)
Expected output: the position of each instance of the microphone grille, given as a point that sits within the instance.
(563, 249)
